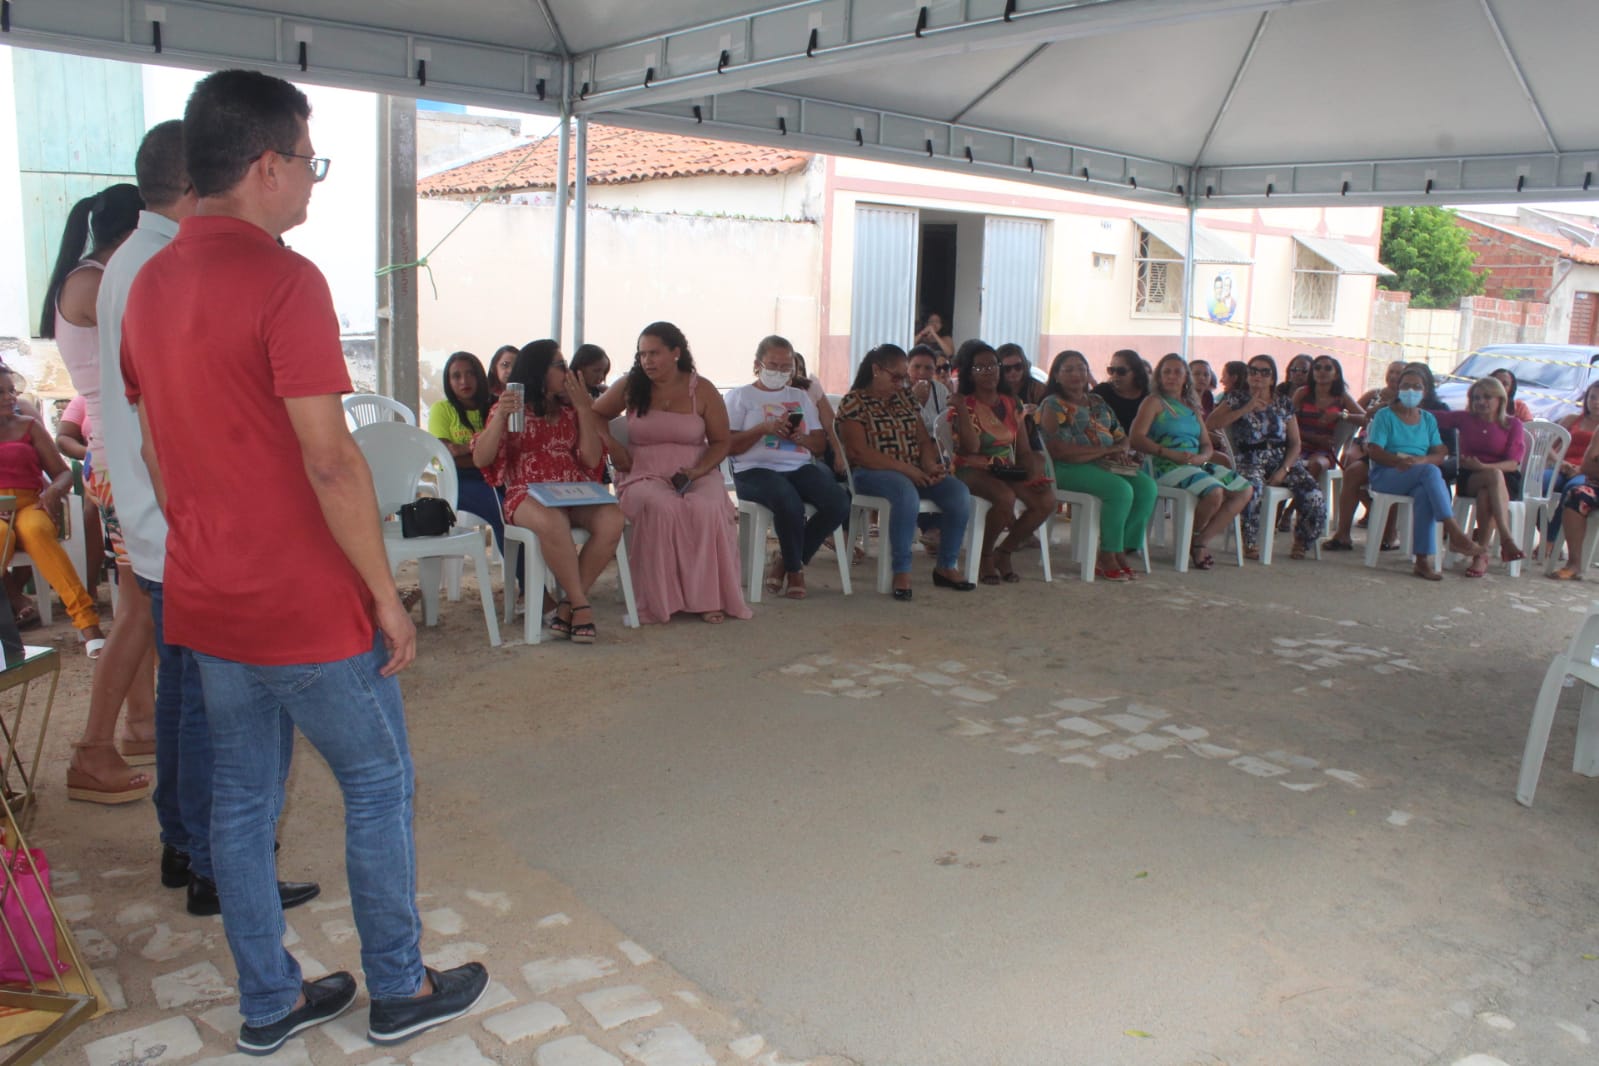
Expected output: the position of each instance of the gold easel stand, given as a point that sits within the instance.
(49, 1006)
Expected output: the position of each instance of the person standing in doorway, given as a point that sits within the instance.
(258, 332)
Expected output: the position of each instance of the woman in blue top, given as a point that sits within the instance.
(1405, 451)
(1168, 429)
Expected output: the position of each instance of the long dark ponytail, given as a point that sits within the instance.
(107, 217)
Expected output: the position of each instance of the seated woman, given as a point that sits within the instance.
(500, 368)
(73, 430)
(1090, 454)
(1169, 431)
(1126, 386)
(1576, 505)
(776, 431)
(1203, 380)
(455, 420)
(560, 441)
(27, 455)
(1296, 376)
(1492, 445)
(893, 457)
(1566, 471)
(684, 550)
(1518, 409)
(1266, 440)
(1357, 469)
(1017, 374)
(592, 366)
(990, 439)
(1405, 451)
(1321, 407)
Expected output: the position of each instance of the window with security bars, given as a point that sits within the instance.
(1315, 296)
(1158, 284)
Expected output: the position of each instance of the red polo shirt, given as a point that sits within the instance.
(221, 327)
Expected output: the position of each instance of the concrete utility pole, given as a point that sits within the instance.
(397, 243)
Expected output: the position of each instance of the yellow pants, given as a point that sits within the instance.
(38, 536)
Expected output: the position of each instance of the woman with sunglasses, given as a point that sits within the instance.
(893, 457)
(1322, 407)
(1296, 377)
(1265, 434)
(1126, 385)
(1405, 452)
(1567, 471)
(996, 461)
(1017, 374)
(1168, 430)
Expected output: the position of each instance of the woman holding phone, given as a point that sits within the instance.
(775, 431)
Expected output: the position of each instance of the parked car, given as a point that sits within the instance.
(1550, 378)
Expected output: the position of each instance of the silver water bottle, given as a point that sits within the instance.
(517, 419)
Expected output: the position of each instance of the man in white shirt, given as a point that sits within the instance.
(183, 745)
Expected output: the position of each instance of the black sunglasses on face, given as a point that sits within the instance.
(1260, 371)
(1012, 367)
(1117, 371)
(942, 368)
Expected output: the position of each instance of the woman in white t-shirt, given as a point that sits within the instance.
(776, 433)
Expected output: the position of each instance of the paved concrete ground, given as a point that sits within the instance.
(1258, 817)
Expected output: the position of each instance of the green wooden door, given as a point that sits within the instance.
(79, 123)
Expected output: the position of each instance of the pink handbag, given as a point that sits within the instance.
(39, 960)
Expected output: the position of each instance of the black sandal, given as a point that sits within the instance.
(1007, 573)
(583, 632)
(560, 625)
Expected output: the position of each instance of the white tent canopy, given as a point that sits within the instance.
(1220, 103)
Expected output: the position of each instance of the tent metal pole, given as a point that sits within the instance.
(580, 211)
(1188, 283)
(562, 192)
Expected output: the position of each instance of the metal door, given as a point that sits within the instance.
(1013, 283)
(883, 298)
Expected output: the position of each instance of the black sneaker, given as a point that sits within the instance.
(325, 999)
(454, 993)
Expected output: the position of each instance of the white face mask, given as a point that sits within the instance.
(774, 379)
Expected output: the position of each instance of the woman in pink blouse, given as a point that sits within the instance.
(562, 440)
(1492, 444)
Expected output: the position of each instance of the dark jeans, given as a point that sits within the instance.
(785, 494)
(478, 497)
(182, 747)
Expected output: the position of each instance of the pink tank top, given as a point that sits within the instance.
(19, 464)
(80, 351)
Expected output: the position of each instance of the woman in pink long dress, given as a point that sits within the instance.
(684, 547)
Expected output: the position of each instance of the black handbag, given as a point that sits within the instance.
(1450, 468)
(427, 517)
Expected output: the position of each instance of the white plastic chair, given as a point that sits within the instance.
(1377, 521)
(1271, 497)
(77, 552)
(1577, 661)
(862, 507)
(522, 549)
(754, 523)
(1583, 562)
(1083, 530)
(368, 408)
(1181, 505)
(399, 455)
(1543, 438)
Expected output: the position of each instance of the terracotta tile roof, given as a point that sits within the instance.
(1567, 248)
(615, 157)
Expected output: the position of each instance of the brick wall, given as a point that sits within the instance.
(1514, 265)
(1485, 320)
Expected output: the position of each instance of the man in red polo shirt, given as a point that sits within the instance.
(277, 577)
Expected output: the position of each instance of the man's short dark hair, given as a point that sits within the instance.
(163, 175)
(233, 117)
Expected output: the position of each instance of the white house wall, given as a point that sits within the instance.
(726, 282)
(765, 196)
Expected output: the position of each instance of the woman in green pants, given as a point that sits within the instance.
(1091, 456)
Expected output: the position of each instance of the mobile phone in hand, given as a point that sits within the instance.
(795, 418)
(680, 482)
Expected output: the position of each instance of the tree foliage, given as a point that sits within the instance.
(1429, 254)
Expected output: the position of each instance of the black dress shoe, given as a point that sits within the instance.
(204, 902)
(945, 583)
(174, 867)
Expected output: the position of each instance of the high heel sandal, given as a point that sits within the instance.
(1007, 573)
(583, 632)
(560, 625)
(109, 791)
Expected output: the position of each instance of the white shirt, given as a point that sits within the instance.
(749, 406)
(935, 416)
(144, 528)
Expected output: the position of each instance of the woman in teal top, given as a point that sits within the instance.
(1169, 430)
(1405, 452)
(1089, 449)
(455, 420)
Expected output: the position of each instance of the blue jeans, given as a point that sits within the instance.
(474, 494)
(1424, 484)
(182, 747)
(356, 721)
(952, 498)
(786, 493)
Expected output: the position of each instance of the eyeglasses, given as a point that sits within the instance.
(317, 164)
(898, 379)
(1260, 371)
(1117, 371)
(942, 368)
